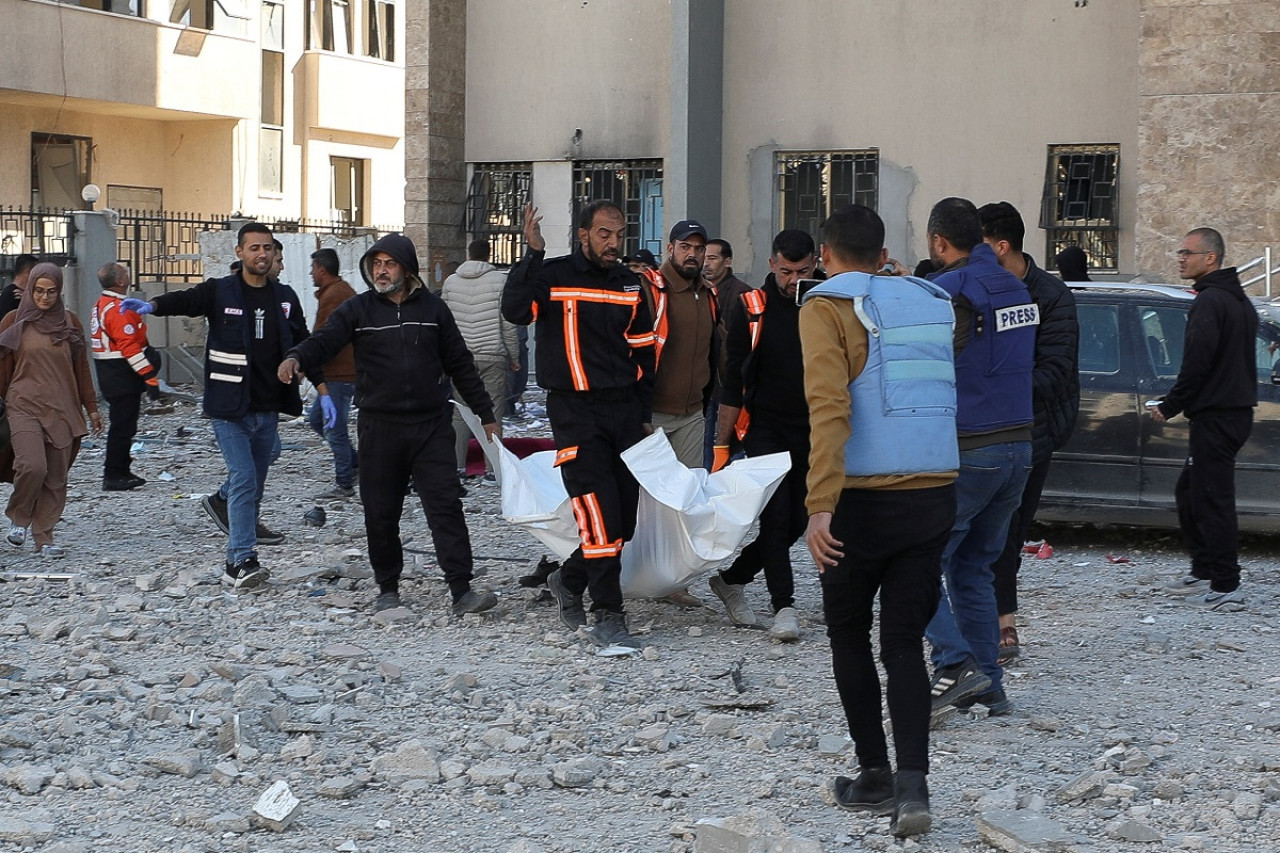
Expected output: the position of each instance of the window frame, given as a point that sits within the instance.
(1079, 205)
(808, 210)
(496, 195)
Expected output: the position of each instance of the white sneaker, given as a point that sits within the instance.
(735, 601)
(786, 626)
(1189, 585)
(51, 550)
(17, 536)
(1232, 602)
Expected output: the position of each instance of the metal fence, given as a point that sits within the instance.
(158, 245)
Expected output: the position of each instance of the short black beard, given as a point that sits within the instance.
(596, 260)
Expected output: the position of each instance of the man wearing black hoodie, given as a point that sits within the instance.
(405, 342)
(1217, 390)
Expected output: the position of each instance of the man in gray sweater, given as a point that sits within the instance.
(474, 295)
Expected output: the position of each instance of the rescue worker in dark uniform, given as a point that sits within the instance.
(764, 377)
(406, 344)
(595, 353)
(253, 320)
(122, 360)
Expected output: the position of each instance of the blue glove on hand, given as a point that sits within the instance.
(330, 412)
(141, 306)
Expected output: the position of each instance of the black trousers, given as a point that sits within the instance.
(1206, 496)
(391, 452)
(893, 542)
(591, 430)
(123, 414)
(1007, 565)
(783, 519)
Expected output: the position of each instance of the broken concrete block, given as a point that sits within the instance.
(29, 778)
(25, 832)
(277, 807)
(1020, 831)
(755, 832)
(236, 734)
(185, 762)
(339, 787)
(577, 772)
(1132, 830)
(411, 760)
(1088, 784)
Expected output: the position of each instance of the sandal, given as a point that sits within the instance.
(1009, 649)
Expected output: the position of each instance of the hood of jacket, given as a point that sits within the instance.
(1224, 279)
(402, 250)
(473, 269)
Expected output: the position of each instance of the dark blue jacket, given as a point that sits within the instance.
(228, 370)
(996, 324)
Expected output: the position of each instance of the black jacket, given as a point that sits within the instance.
(228, 360)
(1219, 357)
(767, 379)
(593, 330)
(1055, 378)
(403, 354)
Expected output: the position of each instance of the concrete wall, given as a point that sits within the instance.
(1209, 112)
(957, 105)
(537, 70)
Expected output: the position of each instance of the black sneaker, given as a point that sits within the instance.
(245, 574)
(118, 484)
(572, 613)
(136, 481)
(998, 704)
(910, 804)
(611, 630)
(388, 600)
(871, 792)
(474, 602)
(216, 506)
(951, 684)
(267, 536)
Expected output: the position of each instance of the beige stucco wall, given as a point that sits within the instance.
(1210, 127)
(960, 99)
(957, 104)
(537, 70)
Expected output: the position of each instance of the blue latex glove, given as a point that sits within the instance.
(141, 306)
(330, 412)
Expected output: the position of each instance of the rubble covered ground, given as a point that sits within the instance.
(145, 707)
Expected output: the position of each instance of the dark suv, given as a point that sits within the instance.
(1120, 467)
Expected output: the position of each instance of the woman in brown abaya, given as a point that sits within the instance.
(45, 382)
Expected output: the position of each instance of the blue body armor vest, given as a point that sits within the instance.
(903, 404)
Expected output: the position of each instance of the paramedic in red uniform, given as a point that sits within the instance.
(121, 360)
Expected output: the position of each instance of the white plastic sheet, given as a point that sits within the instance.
(688, 521)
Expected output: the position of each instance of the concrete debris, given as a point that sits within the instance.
(755, 832)
(277, 807)
(411, 761)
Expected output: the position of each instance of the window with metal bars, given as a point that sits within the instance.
(811, 184)
(633, 185)
(1078, 207)
(495, 208)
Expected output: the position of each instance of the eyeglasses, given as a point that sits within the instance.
(1186, 253)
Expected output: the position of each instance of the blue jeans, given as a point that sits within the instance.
(249, 445)
(988, 490)
(344, 455)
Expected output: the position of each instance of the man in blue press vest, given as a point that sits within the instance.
(881, 389)
(253, 321)
(995, 339)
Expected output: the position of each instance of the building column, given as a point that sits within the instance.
(435, 123)
(691, 175)
(1208, 129)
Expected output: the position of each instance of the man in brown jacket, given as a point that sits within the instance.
(340, 377)
(684, 320)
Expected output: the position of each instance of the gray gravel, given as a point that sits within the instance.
(146, 708)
